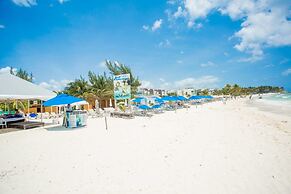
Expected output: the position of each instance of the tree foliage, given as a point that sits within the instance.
(22, 74)
(100, 87)
(116, 68)
(236, 90)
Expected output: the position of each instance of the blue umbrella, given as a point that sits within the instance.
(138, 100)
(182, 98)
(62, 99)
(195, 98)
(169, 98)
(144, 107)
(208, 97)
(159, 100)
(156, 106)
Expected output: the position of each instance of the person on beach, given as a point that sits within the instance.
(224, 100)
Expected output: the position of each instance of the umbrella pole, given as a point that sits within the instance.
(41, 110)
(28, 107)
(106, 125)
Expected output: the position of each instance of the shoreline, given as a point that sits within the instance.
(276, 107)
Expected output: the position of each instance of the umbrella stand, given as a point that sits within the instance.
(106, 125)
(41, 110)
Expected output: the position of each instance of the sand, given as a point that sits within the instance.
(215, 148)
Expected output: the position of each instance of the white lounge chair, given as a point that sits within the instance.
(3, 123)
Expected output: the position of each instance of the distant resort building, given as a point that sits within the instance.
(151, 92)
(187, 92)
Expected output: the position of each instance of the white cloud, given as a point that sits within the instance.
(180, 13)
(25, 3)
(157, 24)
(269, 65)
(265, 23)
(179, 61)
(285, 60)
(172, 2)
(200, 82)
(287, 72)
(208, 64)
(146, 84)
(198, 8)
(165, 44)
(54, 85)
(7, 70)
(145, 27)
(102, 64)
(29, 3)
(164, 84)
(2, 26)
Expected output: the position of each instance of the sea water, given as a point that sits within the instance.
(277, 103)
(286, 97)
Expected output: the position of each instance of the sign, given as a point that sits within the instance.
(122, 87)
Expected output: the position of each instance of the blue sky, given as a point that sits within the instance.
(168, 44)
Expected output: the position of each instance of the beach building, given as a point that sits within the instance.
(187, 92)
(151, 92)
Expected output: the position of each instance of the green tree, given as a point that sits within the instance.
(116, 68)
(22, 74)
(78, 88)
(101, 86)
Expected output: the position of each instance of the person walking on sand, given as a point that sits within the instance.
(224, 100)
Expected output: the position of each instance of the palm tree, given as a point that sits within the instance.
(116, 68)
(78, 88)
(226, 89)
(22, 74)
(236, 90)
(100, 85)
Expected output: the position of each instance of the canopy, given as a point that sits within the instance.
(200, 97)
(64, 99)
(144, 107)
(182, 98)
(208, 97)
(138, 100)
(195, 98)
(156, 106)
(159, 100)
(169, 98)
(15, 88)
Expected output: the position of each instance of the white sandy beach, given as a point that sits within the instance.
(215, 148)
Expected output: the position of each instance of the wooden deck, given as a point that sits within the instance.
(26, 124)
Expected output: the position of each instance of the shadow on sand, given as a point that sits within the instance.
(61, 128)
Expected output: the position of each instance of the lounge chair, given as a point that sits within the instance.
(3, 123)
(96, 113)
(32, 116)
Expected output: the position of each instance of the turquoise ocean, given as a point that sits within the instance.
(279, 98)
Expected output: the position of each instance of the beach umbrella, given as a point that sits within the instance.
(156, 106)
(208, 97)
(159, 100)
(195, 98)
(144, 107)
(182, 98)
(138, 100)
(170, 98)
(64, 99)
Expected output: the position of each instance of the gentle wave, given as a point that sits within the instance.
(279, 97)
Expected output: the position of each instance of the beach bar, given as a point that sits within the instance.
(72, 118)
